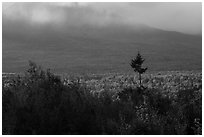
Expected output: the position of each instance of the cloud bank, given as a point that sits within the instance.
(181, 17)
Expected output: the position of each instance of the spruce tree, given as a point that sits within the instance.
(136, 64)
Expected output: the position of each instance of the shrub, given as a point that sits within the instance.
(39, 103)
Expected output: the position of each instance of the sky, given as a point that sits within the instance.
(181, 17)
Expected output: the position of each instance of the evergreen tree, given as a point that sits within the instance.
(136, 64)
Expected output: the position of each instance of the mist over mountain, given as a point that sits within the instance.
(101, 37)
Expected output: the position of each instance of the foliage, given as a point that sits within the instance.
(42, 103)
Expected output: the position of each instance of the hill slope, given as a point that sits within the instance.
(99, 49)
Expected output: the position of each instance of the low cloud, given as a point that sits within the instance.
(181, 17)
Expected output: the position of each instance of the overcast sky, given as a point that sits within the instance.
(181, 17)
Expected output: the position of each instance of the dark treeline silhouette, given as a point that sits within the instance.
(40, 103)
